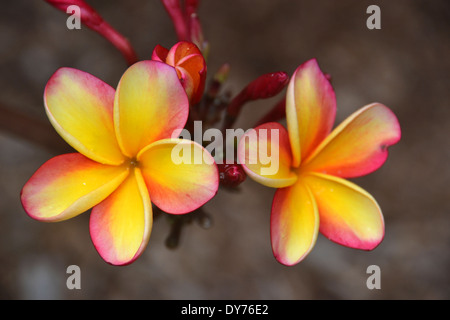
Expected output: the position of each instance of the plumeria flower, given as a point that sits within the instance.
(124, 162)
(190, 65)
(313, 194)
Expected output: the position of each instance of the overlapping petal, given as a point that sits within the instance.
(68, 185)
(160, 53)
(80, 107)
(265, 155)
(120, 226)
(189, 64)
(348, 214)
(358, 145)
(149, 105)
(294, 223)
(180, 174)
(180, 52)
(310, 109)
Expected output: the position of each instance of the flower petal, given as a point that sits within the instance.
(68, 185)
(358, 145)
(294, 223)
(120, 226)
(80, 107)
(265, 155)
(180, 175)
(180, 51)
(348, 214)
(159, 53)
(195, 68)
(190, 64)
(310, 109)
(150, 104)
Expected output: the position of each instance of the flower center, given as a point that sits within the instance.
(133, 162)
(301, 170)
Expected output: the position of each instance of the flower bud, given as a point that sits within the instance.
(263, 87)
(231, 175)
(190, 65)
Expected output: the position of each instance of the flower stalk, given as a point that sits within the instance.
(92, 19)
(183, 14)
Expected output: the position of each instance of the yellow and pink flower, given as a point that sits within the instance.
(124, 162)
(314, 161)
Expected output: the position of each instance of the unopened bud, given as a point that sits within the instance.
(190, 65)
(231, 175)
(263, 87)
(266, 86)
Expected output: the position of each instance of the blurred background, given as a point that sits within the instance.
(405, 66)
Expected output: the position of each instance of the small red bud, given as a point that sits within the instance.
(263, 87)
(266, 86)
(231, 175)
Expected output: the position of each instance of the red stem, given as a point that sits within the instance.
(119, 41)
(173, 8)
(93, 20)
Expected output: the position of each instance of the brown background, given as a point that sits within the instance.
(405, 65)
